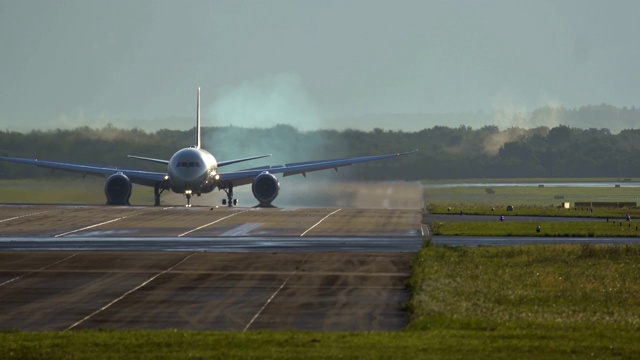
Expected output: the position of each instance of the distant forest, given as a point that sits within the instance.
(445, 153)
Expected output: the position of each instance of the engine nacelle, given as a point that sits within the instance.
(118, 189)
(265, 188)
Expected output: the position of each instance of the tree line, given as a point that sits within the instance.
(444, 152)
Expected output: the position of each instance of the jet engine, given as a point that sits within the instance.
(118, 189)
(265, 188)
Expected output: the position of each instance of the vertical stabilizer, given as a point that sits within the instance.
(198, 132)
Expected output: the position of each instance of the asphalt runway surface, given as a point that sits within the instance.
(204, 268)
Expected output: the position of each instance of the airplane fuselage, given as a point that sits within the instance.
(192, 170)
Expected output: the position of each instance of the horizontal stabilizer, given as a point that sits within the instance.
(229, 162)
(166, 162)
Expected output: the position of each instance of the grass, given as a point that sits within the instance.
(501, 196)
(442, 343)
(525, 302)
(532, 210)
(564, 296)
(599, 228)
(526, 180)
(64, 191)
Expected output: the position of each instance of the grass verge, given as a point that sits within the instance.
(521, 196)
(552, 301)
(531, 210)
(599, 228)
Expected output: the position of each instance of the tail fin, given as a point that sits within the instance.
(198, 132)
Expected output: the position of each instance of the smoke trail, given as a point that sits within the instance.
(271, 115)
(266, 102)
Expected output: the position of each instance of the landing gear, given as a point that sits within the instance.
(187, 193)
(156, 195)
(231, 203)
(229, 200)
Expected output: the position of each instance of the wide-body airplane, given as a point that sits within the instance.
(194, 170)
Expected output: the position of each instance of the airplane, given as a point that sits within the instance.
(193, 170)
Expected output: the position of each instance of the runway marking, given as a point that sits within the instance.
(274, 295)
(35, 271)
(21, 216)
(318, 223)
(242, 229)
(211, 223)
(129, 292)
(96, 225)
(92, 226)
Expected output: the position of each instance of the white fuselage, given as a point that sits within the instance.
(193, 170)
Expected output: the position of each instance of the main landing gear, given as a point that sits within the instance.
(229, 200)
(156, 195)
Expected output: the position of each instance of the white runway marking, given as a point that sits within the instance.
(242, 229)
(273, 295)
(96, 225)
(27, 215)
(91, 226)
(128, 292)
(35, 271)
(318, 223)
(211, 223)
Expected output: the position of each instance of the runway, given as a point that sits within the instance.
(203, 290)
(67, 222)
(203, 268)
(219, 244)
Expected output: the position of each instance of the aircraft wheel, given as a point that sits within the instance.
(224, 202)
(235, 202)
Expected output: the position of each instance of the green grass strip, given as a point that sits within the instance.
(442, 343)
(532, 210)
(576, 300)
(599, 228)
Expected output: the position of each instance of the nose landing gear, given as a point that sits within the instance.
(187, 194)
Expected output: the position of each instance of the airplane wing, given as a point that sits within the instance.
(140, 177)
(234, 178)
(243, 177)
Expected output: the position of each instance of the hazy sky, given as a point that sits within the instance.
(85, 62)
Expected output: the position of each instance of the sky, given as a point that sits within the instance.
(312, 64)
